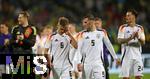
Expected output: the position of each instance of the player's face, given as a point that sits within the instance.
(130, 17)
(84, 23)
(3, 28)
(21, 19)
(62, 30)
(47, 31)
(91, 24)
(98, 24)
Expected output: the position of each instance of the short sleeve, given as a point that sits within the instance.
(121, 32)
(141, 33)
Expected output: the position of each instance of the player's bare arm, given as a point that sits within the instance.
(121, 39)
(124, 40)
(141, 41)
(141, 36)
(47, 57)
(73, 41)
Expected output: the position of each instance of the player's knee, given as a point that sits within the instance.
(138, 77)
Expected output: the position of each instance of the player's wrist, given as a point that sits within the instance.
(69, 34)
(131, 37)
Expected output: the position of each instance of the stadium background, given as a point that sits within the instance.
(111, 11)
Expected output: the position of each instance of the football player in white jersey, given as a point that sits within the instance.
(41, 38)
(90, 45)
(59, 48)
(131, 37)
(73, 55)
(98, 24)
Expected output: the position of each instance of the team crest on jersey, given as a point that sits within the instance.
(28, 32)
(98, 35)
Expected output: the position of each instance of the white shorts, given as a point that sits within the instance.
(61, 73)
(131, 67)
(93, 72)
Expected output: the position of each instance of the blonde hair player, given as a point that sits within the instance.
(59, 48)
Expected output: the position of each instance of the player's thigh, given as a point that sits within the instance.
(138, 67)
(56, 73)
(66, 73)
(87, 72)
(125, 68)
(98, 72)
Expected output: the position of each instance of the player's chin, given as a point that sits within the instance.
(62, 32)
(19, 23)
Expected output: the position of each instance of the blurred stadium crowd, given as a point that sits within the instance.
(47, 12)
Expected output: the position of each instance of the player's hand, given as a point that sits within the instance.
(134, 35)
(49, 64)
(80, 67)
(118, 62)
(6, 42)
(20, 37)
(68, 33)
(76, 74)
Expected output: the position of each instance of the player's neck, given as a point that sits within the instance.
(25, 24)
(99, 28)
(132, 24)
(42, 35)
(60, 33)
(6, 33)
(93, 29)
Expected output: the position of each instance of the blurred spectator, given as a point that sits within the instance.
(73, 54)
(98, 24)
(41, 39)
(5, 37)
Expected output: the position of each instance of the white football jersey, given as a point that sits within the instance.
(59, 48)
(90, 45)
(132, 49)
(39, 45)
